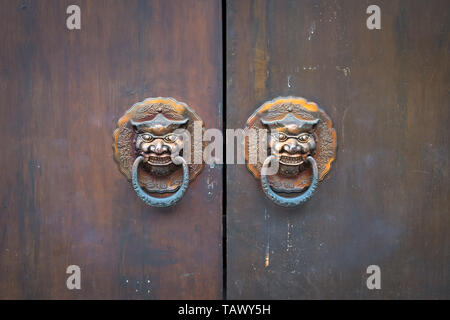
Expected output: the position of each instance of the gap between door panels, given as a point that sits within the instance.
(224, 166)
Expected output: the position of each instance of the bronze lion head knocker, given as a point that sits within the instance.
(301, 142)
(151, 143)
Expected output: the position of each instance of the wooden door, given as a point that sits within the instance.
(385, 201)
(63, 200)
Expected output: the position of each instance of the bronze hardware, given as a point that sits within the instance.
(303, 142)
(148, 148)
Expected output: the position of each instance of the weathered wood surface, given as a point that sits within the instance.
(63, 200)
(386, 199)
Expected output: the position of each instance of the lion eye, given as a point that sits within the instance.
(303, 137)
(280, 136)
(147, 137)
(170, 138)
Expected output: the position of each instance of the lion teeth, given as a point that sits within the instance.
(291, 160)
(160, 160)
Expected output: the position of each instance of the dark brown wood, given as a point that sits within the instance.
(385, 200)
(63, 200)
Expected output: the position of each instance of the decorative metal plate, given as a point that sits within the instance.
(294, 111)
(160, 116)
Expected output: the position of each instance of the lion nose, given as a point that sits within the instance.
(158, 147)
(292, 148)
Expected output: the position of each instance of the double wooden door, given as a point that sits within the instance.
(63, 201)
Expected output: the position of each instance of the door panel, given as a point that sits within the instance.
(63, 199)
(385, 201)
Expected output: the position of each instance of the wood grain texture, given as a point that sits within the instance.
(386, 198)
(63, 200)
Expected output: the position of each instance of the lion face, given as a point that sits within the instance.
(292, 143)
(292, 148)
(158, 149)
(158, 146)
(159, 141)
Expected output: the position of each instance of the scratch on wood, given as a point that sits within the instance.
(189, 274)
(267, 257)
(345, 70)
(288, 240)
(311, 30)
(260, 55)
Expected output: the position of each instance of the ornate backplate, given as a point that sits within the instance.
(298, 110)
(165, 111)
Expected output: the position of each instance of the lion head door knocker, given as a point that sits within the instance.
(301, 142)
(150, 147)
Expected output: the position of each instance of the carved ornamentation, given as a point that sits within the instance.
(148, 130)
(297, 129)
